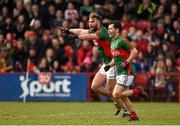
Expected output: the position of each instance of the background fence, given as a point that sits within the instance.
(76, 87)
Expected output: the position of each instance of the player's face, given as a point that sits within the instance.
(93, 24)
(111, 30)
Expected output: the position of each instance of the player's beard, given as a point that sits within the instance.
(93, 29)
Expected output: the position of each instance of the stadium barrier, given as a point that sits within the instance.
(71, 87)
(43, 87)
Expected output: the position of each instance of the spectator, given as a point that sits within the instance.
(167, 23)
(141, 64)
(58, 49)
(86, 8)
(174, 12)
(95, 59)
(119, 9)
(9, 57)
(43, 65)
(58, 19)
(20, 26)
(171, 80)
(160, 81)
(83, 53)
(73, 21)
(49, 56)
(35, 21)
(70, 10)
(159, 14)
(126, 22)
(146, 9)
(20, 10)
(20, 56)
(37, 27)
(3, 61)
(141, 42)
(56, 67)
(60, 5)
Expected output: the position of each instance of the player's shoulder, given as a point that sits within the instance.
(102, 29)
(120, 39)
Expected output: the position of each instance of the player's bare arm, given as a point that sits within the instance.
(91, 36)
(76, 31)
(132, 55)
(79, 31)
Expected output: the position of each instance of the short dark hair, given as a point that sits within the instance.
(116, 24)
(95, 15)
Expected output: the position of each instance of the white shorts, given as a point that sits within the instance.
(125, 80)
(111, 73)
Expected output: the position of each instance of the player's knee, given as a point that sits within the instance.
(94, 87)
(116, 95)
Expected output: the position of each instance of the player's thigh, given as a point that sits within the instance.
(99, 79)
(110, 84)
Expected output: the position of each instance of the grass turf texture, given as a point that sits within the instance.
(84, 113)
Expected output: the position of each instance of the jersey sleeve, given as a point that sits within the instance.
(102, 33)
(125, 45)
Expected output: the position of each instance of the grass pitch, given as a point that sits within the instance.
(84, 113)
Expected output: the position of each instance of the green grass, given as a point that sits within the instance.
(84, 113)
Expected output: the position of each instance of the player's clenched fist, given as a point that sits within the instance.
(107, 67)
(64, 30)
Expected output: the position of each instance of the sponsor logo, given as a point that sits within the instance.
(115, 52)
(58, 88)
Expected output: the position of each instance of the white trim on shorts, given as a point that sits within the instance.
(124, 80)
(111, 73)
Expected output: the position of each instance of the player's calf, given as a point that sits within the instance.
(139, 91)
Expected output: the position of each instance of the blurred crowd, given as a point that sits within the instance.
(27, 33)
